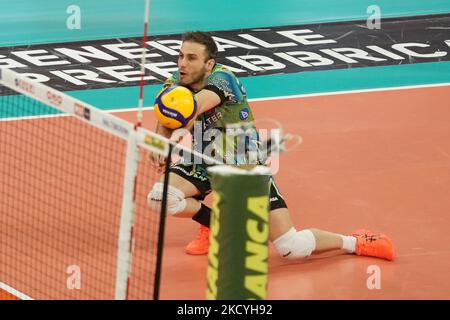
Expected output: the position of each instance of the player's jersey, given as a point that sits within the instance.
(233, 111)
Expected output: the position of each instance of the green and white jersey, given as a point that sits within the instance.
(217, 138)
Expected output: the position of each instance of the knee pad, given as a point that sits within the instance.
(295, 244)
(176, 201)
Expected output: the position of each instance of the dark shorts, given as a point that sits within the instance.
(199, 177)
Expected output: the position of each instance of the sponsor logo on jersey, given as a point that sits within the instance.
(244, 113)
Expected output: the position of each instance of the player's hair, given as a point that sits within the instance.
(202, 38)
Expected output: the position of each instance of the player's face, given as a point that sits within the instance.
(193, 64)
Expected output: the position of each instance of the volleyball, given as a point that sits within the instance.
(175, 107)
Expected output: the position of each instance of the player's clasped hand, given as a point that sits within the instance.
(157, 160)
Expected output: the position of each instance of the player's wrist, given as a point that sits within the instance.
(162, 130)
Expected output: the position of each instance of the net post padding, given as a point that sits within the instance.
(238, 253)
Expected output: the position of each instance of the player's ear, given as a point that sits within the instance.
(210, 64)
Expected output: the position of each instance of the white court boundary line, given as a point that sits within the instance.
(329, 93)
(296, 96)
(49, 116)
(332, 93)
(14, 292)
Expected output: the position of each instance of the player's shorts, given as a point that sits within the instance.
(199, 177)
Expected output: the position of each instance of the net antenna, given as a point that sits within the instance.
(143, 60)
(127, 231)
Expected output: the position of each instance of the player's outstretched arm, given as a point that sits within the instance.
(206, 100)
(161, 130)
